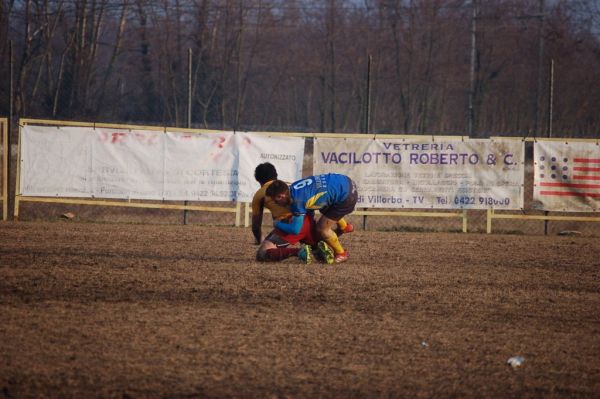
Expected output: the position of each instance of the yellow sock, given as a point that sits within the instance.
(342, 224)
(334, 243)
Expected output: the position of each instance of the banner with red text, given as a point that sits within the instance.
(146, 164)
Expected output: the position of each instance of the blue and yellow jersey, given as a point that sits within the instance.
(318, 192)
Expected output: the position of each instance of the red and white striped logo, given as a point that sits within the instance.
(576, 177)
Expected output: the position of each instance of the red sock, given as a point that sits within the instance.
(277, 254)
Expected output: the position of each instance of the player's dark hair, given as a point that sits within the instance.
(265, 172)
(277, 187)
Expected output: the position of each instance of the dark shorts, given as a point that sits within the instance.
(346, 207)
(307, 234)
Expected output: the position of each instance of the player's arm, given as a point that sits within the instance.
(292, 227)
(256, 227)
(258, 207)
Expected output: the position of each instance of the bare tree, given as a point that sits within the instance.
(117, 48)
(301, 64)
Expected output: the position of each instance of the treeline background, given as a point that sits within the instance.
(478, 67)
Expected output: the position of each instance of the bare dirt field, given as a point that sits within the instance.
(152, 311)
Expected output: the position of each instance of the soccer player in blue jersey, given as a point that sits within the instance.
(334, 195)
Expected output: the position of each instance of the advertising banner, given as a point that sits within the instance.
(567, 176)
(201, 167)
(124, 163)
(285, 153)
(427, 173)
(154, 165)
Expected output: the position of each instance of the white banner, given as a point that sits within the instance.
(55, 162)
(567, 176)
(142, 164)
(422, 173)
(201, 167)
(124, 163)
(285, 153)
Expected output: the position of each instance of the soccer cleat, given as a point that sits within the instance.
(348, 229)
(305, 254)
(325, 253)
(339, 258)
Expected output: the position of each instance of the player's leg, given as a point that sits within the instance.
(330, 219)
(343, 227)
(274, 248)
(325, 230)
(308, 236)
